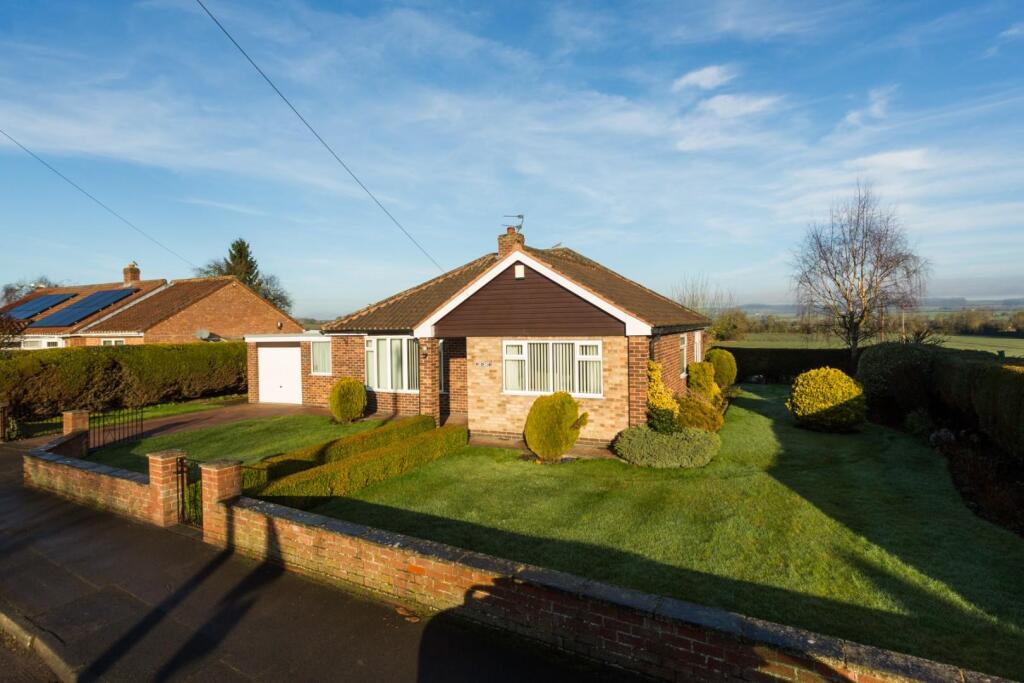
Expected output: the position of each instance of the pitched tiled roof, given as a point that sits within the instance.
(142, 287)
(405, 310)
(179, 295)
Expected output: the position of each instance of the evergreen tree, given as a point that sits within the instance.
(241, 263)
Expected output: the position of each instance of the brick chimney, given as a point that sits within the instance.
(132, 274)
(510, 241)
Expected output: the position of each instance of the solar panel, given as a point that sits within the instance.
(82, 309)
(37, 305)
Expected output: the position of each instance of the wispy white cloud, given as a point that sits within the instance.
(1015, 32)
(224, 206)
(876, 109)
(708, 78)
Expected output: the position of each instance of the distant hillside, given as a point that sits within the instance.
(952, 303)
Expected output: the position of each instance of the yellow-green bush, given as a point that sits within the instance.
(662, 409)
(553, 425)
(697, 413)
(725, 366)
(686, 448)
(827, 399)
(348, 399)
(700, 379)
(259, 474)
(344, 477)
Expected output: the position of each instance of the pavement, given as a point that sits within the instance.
(98, 596)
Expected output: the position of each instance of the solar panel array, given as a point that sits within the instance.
(82, 309)
(37, 305)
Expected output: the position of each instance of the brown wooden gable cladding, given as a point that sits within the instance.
(532, 306)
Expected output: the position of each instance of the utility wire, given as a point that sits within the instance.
(109, 210)
(317, 135)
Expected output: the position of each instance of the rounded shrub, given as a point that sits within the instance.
(647, 448)
(895, 378)
(695, 412)
(700, 378)
(725, 366)
(827, 399)
(348, 399)
(553, 425)
(661, 407)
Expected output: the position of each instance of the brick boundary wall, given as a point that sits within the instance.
(661, 637)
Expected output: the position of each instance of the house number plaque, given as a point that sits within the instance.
(482, 363)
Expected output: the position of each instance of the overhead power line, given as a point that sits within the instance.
(109, 210)
(317, 135)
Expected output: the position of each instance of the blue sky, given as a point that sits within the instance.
(662, 139)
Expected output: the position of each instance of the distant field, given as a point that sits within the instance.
(1012, 347)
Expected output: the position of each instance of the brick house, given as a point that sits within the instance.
(137, 311)
(482, 341)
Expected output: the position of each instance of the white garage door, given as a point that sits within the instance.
(280, 374)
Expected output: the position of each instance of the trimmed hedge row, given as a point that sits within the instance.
(782, 365)
(306, 489)
(41, 384)
(686, 448)
(259, 474)
(974, 386)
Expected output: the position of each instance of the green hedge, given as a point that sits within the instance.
(344, 477)
(647, 448)
(261, 473)
(973, 386)
(782, 365)
(41, 384)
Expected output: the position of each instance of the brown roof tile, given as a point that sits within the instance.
(405, 310)
(179, 295)
(142, 287)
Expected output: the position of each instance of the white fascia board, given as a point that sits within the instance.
(308, 336)
(107, 334)
(634, 326)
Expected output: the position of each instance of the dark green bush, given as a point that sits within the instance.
(259, 474)
(41, 384)
(895, 378)
(343, 477)
(695, 412)
(725, 366)
(782, 365)
(827, 399)
(553, 425)
(685, 448)
(348, 399)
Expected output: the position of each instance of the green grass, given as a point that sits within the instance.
(773, 340)
(53, 425)
(861, 536)
(246, 440)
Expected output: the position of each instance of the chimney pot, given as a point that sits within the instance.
(132, 274)
(510, 241)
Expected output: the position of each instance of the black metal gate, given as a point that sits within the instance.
(114, 426)
(190, 492)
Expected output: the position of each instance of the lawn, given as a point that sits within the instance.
(246, 440)
(860, 536)
(1012, 347)
(53, 425)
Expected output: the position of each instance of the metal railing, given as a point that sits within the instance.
(114, 426)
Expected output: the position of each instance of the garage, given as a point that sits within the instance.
(280, 372)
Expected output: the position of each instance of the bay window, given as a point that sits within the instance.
(541, 367)
(392, 363)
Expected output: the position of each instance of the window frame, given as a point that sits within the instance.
(683, 348)
(370, 345)
(442, 385)
(576, 360)
(312, 356)
(111, 341)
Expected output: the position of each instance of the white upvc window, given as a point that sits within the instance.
(535, 367)
(320, 358)
(442, 381)
(392, 364)
(112, 342)
(698, 346)
(682, 355)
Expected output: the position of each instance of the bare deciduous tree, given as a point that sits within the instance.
(12, 291)
(697, 293)
(10, 333)
(856, 267)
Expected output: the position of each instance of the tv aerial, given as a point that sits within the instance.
(518, 226)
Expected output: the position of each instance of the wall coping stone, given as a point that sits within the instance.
(169, 454)
(87, 465)
(761, 632)
(219, 464)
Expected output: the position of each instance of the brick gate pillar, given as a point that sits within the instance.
(221, 481)
(5, 416)
(163, 486)
(638, 352)
(75, 421)
(430, 398)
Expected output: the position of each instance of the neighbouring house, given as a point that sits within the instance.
(137, 311)
(482, 341)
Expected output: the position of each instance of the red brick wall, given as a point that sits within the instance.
(128, 341)
(638, 353)
(252, 372)
(660, 637)
(666, 352)
(455, 400)
(231, 313)
(347, 360)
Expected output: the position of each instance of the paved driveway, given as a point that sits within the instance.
(127, 601)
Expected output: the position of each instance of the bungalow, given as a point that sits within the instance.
(137, 311)
(482, 341)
